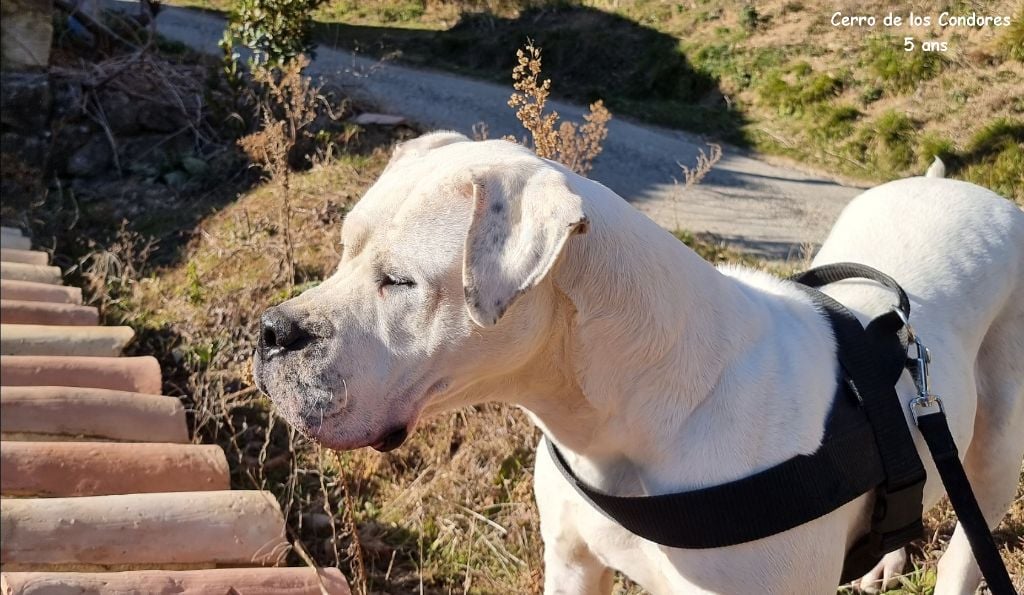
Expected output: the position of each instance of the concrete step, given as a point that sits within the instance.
(35, 339)
(24, 256)
(6, 230)
(135, 374)
(59, 469)
(30, 291)
(243, 581)
(89, 414)
(25, 312)
(17, 271)
(176, 531)
(16, 242)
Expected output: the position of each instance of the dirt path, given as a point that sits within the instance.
(758, 206)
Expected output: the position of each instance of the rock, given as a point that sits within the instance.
(25, 101)
(121, 112)
(158, 118)
(195, 166)
(379, 119)
(91, 159)
(153, 151)
(26, 28)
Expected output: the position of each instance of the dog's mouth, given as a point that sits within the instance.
(391, 440)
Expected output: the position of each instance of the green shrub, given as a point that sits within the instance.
(930, 146)
(834, 122)
(749, 18)
(797, 97)
(995, 158)
(887, 144)
(276, 31)
(900, 71)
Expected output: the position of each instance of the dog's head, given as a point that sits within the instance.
(443, 282)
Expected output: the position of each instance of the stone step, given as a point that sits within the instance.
(24, 256)
(11, 231)
(170, 531)
(49, 313)
(36, 339)
(59, 469)
(17, 271)
(15, 241)
(243, 581)
(136, 374)
(39, 292)
(78, 414)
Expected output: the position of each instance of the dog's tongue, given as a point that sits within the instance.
(393, 440)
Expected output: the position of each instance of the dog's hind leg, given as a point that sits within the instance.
(993, 459)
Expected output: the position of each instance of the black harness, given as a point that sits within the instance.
(867, 446)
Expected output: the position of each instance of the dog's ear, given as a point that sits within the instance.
(421, 145)
(518, 230)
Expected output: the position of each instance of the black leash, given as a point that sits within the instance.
(867, 446)
(935, 430)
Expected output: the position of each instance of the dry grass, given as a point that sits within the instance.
(575, 146)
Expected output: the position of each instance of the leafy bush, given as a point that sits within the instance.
(276, 31)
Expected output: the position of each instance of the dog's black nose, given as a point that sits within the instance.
(281, 332)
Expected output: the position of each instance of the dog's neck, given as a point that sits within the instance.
(638, 386)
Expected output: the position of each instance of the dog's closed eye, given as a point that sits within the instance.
(387, 279)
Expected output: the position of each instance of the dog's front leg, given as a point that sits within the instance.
(570, 567)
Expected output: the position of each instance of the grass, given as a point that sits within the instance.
(769, 77)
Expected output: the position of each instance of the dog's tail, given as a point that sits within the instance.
(936, 170)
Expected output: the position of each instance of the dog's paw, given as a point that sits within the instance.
(883, 576)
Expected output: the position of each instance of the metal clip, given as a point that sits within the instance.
(925, 403)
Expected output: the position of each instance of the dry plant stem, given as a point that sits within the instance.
(705, 162)
(356, 547)
(287, 107)
(572, 145)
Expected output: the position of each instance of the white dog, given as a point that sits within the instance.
(476, 271)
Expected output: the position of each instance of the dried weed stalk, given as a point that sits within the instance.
(694, 175)
(286, 107)
(575, 146)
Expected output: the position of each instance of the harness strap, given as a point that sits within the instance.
(936, 433)
(875, 359)
(746, 509)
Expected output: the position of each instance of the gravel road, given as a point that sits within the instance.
(760, 207)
